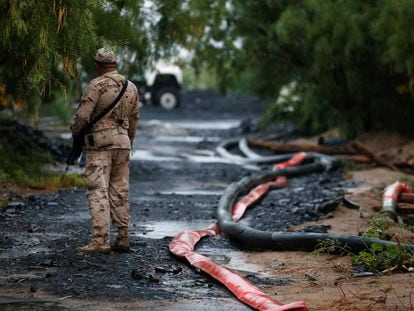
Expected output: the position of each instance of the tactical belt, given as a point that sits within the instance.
(92, 141)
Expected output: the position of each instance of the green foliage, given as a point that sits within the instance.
(24, 155)
(44, 45)
(54, 181)
(203, 27)
(379, 258)
(25, 166)
(331, 246)
(21, 159)
(124, 25)
(41, 42)
(59, 105)
(347, 64)
(70, 180)
(351, 62)
(377, 229)
(200, 79)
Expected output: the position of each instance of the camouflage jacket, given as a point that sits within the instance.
(101, 93)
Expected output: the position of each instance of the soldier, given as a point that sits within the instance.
(107, 149)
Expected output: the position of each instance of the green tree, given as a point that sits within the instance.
(41, 43)
(346, 63)
(125, 26)
(46, 44)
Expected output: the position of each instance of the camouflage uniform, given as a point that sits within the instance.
(107, 156)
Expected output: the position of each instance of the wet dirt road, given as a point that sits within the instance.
(176, 181)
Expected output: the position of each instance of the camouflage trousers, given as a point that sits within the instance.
(107, 181)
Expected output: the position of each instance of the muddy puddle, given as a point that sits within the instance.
(192, 192)
(163, 156)
(169, 228)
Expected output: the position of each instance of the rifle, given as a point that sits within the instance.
(76, 151)
(78, 140)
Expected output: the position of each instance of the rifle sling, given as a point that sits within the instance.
(88, 126)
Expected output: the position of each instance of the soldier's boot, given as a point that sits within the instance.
(121, 243)
(99, 244)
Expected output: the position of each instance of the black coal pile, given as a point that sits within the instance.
(306, 198)
(27, 140)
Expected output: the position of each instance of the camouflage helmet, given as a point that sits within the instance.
(105, 55)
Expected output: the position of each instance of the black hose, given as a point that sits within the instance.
(284, 240)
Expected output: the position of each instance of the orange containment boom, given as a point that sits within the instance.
(184, 243)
